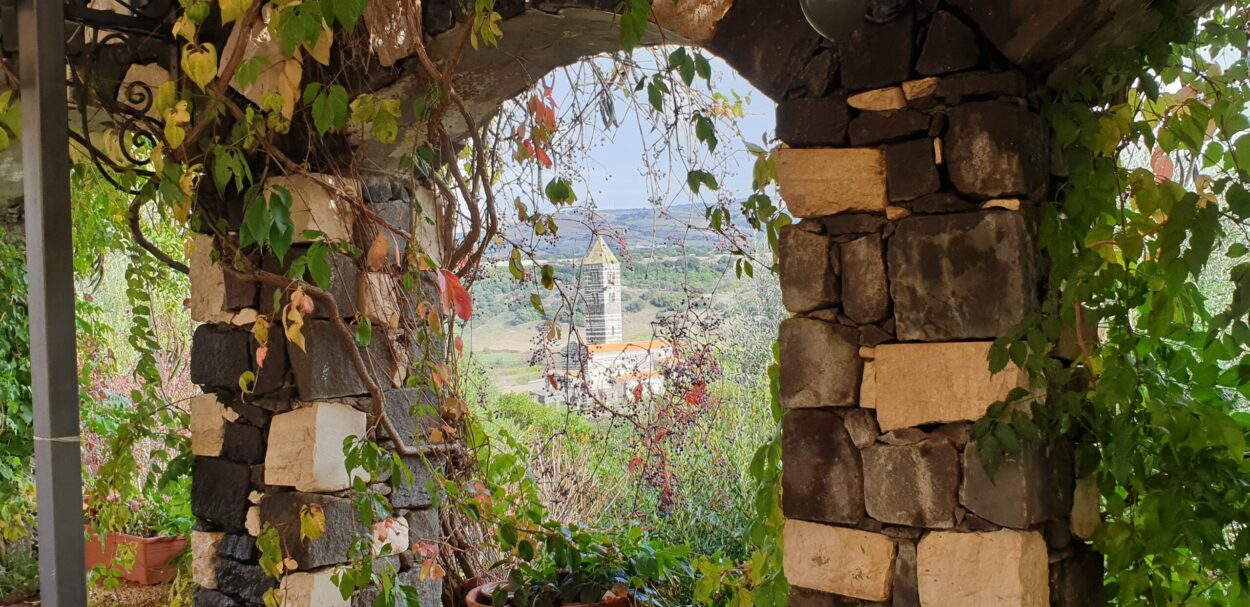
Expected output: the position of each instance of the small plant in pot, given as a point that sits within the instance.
(563, 566)
(137, 540)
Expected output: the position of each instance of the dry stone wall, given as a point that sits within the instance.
(264, 456)
(917, 183)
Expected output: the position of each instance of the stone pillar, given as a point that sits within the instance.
(262, 456)
(917, 185)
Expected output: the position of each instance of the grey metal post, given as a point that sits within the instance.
(53, 351)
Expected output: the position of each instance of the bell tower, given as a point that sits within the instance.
(601, 275)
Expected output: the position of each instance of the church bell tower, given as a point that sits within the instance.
(601, 277)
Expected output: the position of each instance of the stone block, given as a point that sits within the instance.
(865, 294)
(306, 447)
(875, 55)
(219, 357)
(808, 280)
(806, 597)
(208, 283)
(911, 170)
(318, 207)
(957, 88)
(204, 557)
(950, 46)
(413, 412)
(423, 527)
(993, 569)
(219, 492)
(825, 181)
(380, 298)
(807, 123)
(997, 149)
(915, 485)
(396, 215)
(238, 546)
(873, 128)
(414, 492)
(274, 377)
(879, 100)
(820, 364)
(208, 425)
(964, 276)
(824, 478)
(324, 369)
(853, 223)
(1077, 581)
(312, 589)
(244, 444)
(861, 424)
(344, 283)
(282, 511)
(204, 597)
(247, 582)
(837, 560)
(942, 202)
(919, 92)
(1028, 488)
(906, 590)
(918, 384)
(1086, 516)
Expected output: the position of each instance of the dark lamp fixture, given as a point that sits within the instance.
(834, 19)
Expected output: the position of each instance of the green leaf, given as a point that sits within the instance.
(635, 17)
(699, 178)
(319, 265)
(364, 332)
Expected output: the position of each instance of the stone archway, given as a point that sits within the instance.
(916, 160)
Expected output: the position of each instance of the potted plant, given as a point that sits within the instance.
(137, 540)
(564, 566)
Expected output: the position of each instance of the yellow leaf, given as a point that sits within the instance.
(200, 63)
(260, 330)
(321, 51)
(294, 322)
(166, 97)
(288, 85)
(233, 9)
(185, 28)
(174, 134)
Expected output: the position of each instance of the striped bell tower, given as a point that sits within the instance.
(601, 275)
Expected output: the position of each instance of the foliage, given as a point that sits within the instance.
(16, 432)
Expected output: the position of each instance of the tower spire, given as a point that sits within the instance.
(601, 273)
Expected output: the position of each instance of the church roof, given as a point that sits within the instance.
(599, 253)
(654, 344)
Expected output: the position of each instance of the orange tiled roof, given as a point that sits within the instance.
(629, 345)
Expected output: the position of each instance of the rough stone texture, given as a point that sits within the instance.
(820, 364)
(965, 276)
(872, 128)
(852, 223)
(204, 556)
(208, 425)
(919, 93)
(244, 581)
(344, 288)
(983, 569)
(211, 598)
(314, 208)
(413, 412)
(842, 561)
(808, 281)
(957, 88)
(208, 288)
(913, 485)
(861, 424)
(243, 444)
(824, 478)
(996, 149)
(781, 44)
(906, 587)
(820, 74)
(219, 492)
(329, 372)
(306, 447)
(865, 294)
(911, 171)
(238, 546)
(1077, 580)
(219, 357)
(807, 123)
(825, 181)
(1086, 515)
(942, 202)
(395, 214)
(381, 298)
(416, 492)
(949, 46)
(273, 379)
(312, 589)
(876, 55)
(805, 597)
(342, 526)
(1027, 489)
(916, 384)
(423, 527)
(879, 100)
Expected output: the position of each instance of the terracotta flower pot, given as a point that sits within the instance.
(153, 555)
(480, 597)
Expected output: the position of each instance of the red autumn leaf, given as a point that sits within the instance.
(543, 158)
(455, 296)
(459, 345)
(261, 354)
(551, 379)
(1162, 165)
(635, 463)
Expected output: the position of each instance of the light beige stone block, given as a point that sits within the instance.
(204, 557)
(868, 385)
(379, 298)
(937, 150)
(694, 20)
(999, 569)
(208, 282)
(824, 181)
(252, 522)
(895, 213)
(1009, 204)
(312, 589)
(305, 449)
(879, 100)
(208, 425)
(920, 89)
(1086, 508)
(848, 562)
(924, 383)
(317, 205)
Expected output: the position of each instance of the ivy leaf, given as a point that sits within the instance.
(233, 9)
(364, 332)
(200, 64)
(560, 191)
(635, 15)
(319, 265)
(348, 12)
(698, 178)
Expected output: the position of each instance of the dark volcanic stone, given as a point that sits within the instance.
(219, 491)
(910, 170)
(219, 356)
(876, 55)
(941, 203)
(243, 444)
(395, 215)
(343, 283)
(325, 369)
(342, 524)
(962, 276)
(906, 586)
(238, 546)
(768, 43)
(865, 294)
(808, 280)
(423, 527)
(240, 293)
(949, 46)
(819, 75)
(871, 128)
(376, 188)
(1077, 580)
(806, 597)
(820, 364)
(1026, 489)
(853, 223)
(248, 583)
(413, 412)
(813, 122)
(997, 149)
(438, 16)
(824, 479)
(957, 88)
(274, 377)
(873, 335)
(415, 493)
(212, 598)
(914, 485)
(251, 414)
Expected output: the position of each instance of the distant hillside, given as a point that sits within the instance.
(639, 229)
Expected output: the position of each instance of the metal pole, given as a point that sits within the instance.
(49, 258)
